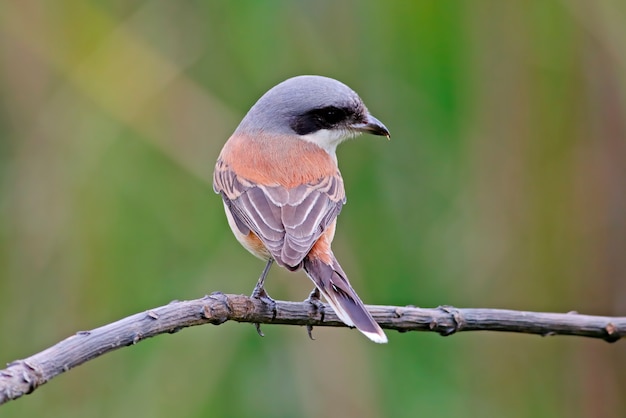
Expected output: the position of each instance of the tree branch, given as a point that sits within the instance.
(21, 377)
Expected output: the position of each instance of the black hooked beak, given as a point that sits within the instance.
(372, 126)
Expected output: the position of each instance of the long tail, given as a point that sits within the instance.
(334, 285)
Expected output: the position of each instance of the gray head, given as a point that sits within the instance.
(317, 109)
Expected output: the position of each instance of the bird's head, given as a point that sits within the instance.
(316, 109)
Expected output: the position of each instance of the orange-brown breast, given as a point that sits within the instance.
(278, 160)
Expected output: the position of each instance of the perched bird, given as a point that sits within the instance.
(282, 190)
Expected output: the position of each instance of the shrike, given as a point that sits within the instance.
(282, 189)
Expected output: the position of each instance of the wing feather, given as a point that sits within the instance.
(289, 221)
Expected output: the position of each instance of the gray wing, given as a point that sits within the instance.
(288, 221)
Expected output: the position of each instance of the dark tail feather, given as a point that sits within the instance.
(333, 284)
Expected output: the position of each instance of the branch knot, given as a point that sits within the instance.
(454, 321)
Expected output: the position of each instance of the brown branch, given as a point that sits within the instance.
(23, 376)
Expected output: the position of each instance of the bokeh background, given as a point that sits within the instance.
(504, 186)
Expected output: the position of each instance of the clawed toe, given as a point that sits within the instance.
(261, 294)
(316, 306)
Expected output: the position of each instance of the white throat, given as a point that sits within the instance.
(328, 139)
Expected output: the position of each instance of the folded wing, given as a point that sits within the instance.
(287, 220)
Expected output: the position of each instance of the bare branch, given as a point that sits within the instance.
(23, 376)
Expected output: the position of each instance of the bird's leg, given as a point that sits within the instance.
(259, 290)
(317, 306)
(260, 293)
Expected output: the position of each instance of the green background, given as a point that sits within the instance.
(504, 186)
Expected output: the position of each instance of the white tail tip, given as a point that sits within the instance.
(377, 338)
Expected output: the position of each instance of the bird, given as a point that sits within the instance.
(282, 189)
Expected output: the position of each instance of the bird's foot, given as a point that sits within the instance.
(316, 306)
(260, 293)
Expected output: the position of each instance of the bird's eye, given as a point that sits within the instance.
(331, 115)
(321, 118)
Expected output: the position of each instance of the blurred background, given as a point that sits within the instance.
(504, 186)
